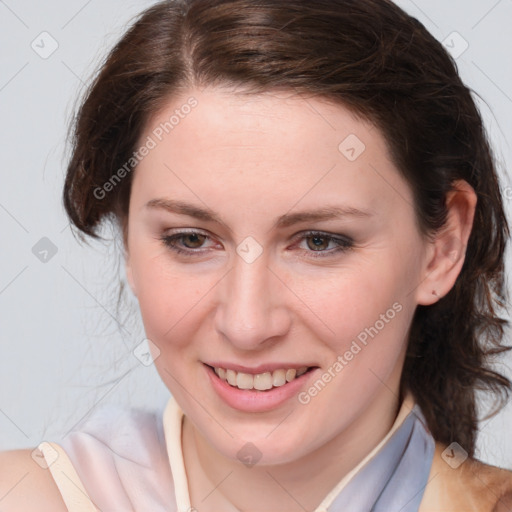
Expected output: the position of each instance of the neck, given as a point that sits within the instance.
(217, 482)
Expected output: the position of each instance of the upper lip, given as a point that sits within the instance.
(262, 368)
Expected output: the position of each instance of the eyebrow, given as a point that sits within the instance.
(284, 221)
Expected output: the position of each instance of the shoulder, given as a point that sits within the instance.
(459, 483)
(25, 486)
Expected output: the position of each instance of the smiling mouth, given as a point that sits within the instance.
(262, 381)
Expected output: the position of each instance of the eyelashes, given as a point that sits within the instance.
(319, 244)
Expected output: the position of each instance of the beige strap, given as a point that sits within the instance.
(173, 422)
(71, 488)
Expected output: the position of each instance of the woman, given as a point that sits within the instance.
(314, 232)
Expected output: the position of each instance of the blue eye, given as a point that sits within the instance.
(319, 244)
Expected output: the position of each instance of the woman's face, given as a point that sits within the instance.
(269, 233)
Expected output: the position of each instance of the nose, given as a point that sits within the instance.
(251, 310)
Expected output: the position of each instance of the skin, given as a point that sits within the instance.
(252, 159)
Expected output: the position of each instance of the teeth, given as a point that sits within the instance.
(260, 381)
(279, 378)
(263, 381)
(244, 380)
(231, 377)
(290, 374)
(302, 371)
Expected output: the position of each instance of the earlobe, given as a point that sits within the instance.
(448, 249)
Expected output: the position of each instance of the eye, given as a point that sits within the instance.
(318, 244)
(193, 240)
(325, 244)
(186, 242)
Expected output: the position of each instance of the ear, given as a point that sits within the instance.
(448, 249)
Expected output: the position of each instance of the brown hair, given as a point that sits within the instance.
(381, 63)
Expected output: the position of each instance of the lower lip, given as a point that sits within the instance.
(252, 400)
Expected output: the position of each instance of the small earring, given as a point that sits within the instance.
(434, 293)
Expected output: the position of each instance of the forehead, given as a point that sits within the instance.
(256, 149)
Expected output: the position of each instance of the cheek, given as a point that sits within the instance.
(378, 319)
(347, 300)
(170, 299)
(362, 316)
(368, 315)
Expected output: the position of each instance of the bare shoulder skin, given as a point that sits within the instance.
(25, 486)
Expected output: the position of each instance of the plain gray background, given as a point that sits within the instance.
(62, 352)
